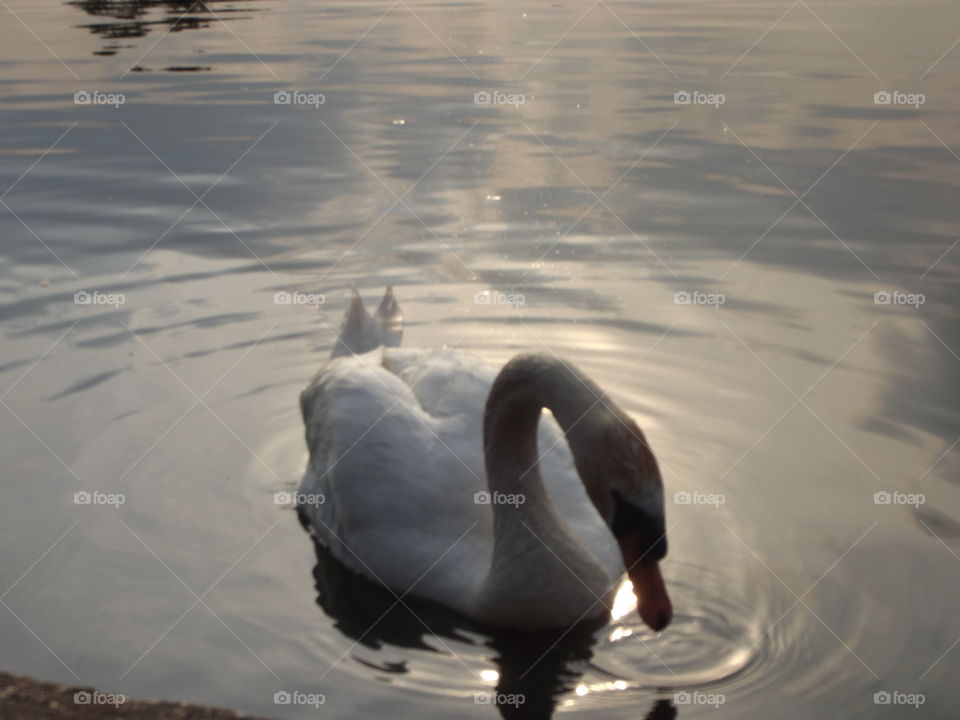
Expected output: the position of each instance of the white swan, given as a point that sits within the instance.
(435, 476)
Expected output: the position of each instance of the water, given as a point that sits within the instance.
(588, 206)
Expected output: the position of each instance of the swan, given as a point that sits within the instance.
(517, 498)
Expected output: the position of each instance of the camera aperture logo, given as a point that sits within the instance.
(495, 297)
(485, 497)
(895, 697)
(495, 97)
(895, 97)
(95, 297)
(696, 297)
(899, 498)
(95, 697)
(282, 297)
(298, 97)
(685, 497)
(895, 297)
(97, 97)
(295, 697)
(95, 497)
(696, 97)
(499, 698)
(685, 697)
(287, 498)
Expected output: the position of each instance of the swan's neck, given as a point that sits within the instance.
(527, 534)
(525, 386)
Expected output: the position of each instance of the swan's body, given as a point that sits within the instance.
(397, 453)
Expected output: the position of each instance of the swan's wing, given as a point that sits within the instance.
(398, 484)
(446, 383)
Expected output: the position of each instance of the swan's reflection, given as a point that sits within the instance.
(540, 668)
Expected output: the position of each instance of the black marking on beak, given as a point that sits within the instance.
(628, 519)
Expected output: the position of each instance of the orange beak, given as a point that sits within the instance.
(653, 602)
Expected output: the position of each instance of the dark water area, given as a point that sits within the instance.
(740, 220)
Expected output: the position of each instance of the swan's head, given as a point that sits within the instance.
(629, 495)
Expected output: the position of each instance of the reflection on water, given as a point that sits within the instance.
(600, 201)
(534, 668)
(523, 674)
(125, 19)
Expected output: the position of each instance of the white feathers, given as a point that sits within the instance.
(396, 451)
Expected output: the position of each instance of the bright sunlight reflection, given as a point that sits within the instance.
(624, 601)
(490, 675)
(582, 690)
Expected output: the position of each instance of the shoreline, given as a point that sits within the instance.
(27, 699)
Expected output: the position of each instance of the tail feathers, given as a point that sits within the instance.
(360, 332)
(389, 320)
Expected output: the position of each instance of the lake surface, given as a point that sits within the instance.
(706, 207)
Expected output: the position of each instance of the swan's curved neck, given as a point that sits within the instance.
(525, 386)
(535, 552)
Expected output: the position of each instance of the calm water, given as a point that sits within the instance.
(590, 198)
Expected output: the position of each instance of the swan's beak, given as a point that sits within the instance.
(653, 601)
